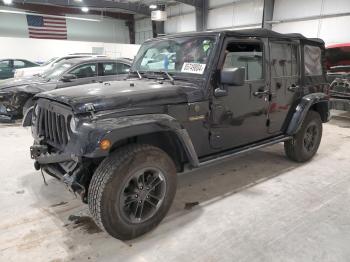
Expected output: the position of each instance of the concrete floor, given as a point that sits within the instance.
(257, 207)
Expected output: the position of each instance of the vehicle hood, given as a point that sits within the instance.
(29, 84)
(125, 94)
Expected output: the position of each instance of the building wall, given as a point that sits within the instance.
(41, 50)
(235, 14)
(107, 30)
(143, 29)
(331, 29)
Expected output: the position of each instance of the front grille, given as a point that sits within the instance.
(52, 124)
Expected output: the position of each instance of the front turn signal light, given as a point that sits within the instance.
(105, 144)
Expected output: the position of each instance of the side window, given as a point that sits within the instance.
(247, 55)
(123, 68)
(18, 64)
(83, 71)
(109, 69)
(312, 60)
(281, 59)
(5, 64)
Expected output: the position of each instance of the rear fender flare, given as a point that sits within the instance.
(303, 108)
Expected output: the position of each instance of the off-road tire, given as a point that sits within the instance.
(28, 104)
(107, 185)
(295, 148)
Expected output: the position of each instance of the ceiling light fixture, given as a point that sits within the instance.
(153, 6)
(85, 9)
(7, 2)
(56, 16)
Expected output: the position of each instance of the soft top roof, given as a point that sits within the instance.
(258, 32)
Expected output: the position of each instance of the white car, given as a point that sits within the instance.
(31, 71)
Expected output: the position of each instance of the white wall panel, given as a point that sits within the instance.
(44, 49)
(237, 14)
(143, 30)
(307, 28)
(287, 9)
(107, 30)
(335, 30)
(336, 6)
(183, 23)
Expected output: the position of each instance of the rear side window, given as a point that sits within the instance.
(284, 59)
(109, 69)
(123, 68)
(84, 71)
(18, 64)
(312, 60)
(4, 63)
(247, 55)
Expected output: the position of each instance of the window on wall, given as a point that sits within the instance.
(312, 60)
(247, 55)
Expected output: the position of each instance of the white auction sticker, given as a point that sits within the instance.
(193, 68)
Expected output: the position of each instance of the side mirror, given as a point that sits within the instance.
(68, 78)
(233, 76)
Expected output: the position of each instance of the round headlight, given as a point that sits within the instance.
(73, 124)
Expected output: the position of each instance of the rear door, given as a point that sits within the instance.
(285, 81)
(239, 117)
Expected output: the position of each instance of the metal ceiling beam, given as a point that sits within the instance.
(137, 8)
(202, 16)
(195, 3)
(268, 13)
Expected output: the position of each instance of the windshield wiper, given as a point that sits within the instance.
(137, 72)
(172, 81)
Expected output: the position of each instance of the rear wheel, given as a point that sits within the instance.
(132, 190)
(305, 143)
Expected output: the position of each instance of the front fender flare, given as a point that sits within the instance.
(120, 128)
(303, 108)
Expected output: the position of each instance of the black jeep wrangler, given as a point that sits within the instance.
(190, 100)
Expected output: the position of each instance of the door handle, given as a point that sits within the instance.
(261, 93)
(293, 87)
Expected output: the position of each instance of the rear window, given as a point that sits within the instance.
(312, 60)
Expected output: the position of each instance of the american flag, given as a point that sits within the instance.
(47, 27)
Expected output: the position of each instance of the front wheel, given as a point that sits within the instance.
(132, 190)
(304, 145)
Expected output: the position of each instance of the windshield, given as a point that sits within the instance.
(177, 55)
(57, 70)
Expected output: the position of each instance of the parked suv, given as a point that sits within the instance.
(16, 95)
(210, 96)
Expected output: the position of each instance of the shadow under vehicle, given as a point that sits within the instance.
(204, 97)
(16, 95)
(338, 74)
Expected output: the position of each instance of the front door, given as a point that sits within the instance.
(85, 74)
(239, 117)
(284, 81)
